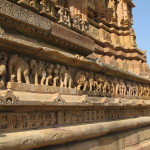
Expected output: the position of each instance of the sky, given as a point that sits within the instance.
(141, 18)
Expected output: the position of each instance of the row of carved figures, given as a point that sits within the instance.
(19, 69)
(98, 82)
(58, 10)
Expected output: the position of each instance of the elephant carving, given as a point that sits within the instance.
(18, 68)
(65, 79)
(56, 71)
(49, 70)
(3, 70)
(38, 71)
(2, 73)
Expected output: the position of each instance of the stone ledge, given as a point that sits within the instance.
(53, 89)
(128, 140)
(44, 137)
(63, 97)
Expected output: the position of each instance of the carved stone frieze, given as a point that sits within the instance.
(9, 9)
(45, 77)
(19, 121)
(74, 38)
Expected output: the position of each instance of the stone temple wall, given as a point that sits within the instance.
(72, 76)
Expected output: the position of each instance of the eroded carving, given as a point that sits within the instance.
(31, 3)
(3, 70)
(65, 78)
(64, 16)
(49, 70)
(47, 7)
(38, 71)
(9, 98)
(18, 67)
(79, 24)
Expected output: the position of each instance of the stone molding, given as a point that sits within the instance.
(45, 137)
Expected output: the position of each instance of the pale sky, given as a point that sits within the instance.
(141, 17)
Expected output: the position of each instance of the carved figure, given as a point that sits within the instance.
(98, 82)
(76, 22)
(2, 73)
(116, 85)
(96, 77)
(49, 70)
(140, 90)
(19, 67)
(47, 7)
(56, 71)
(81, 80)
(135, 89)
(122, 87)
(130, 88)
(91, 81)
(146, 90)
(64, 16)
(84, 26)
(3, 63)
(65, 80)
(112, 85)
(106, 86)
(30, 2)
(38, 71)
